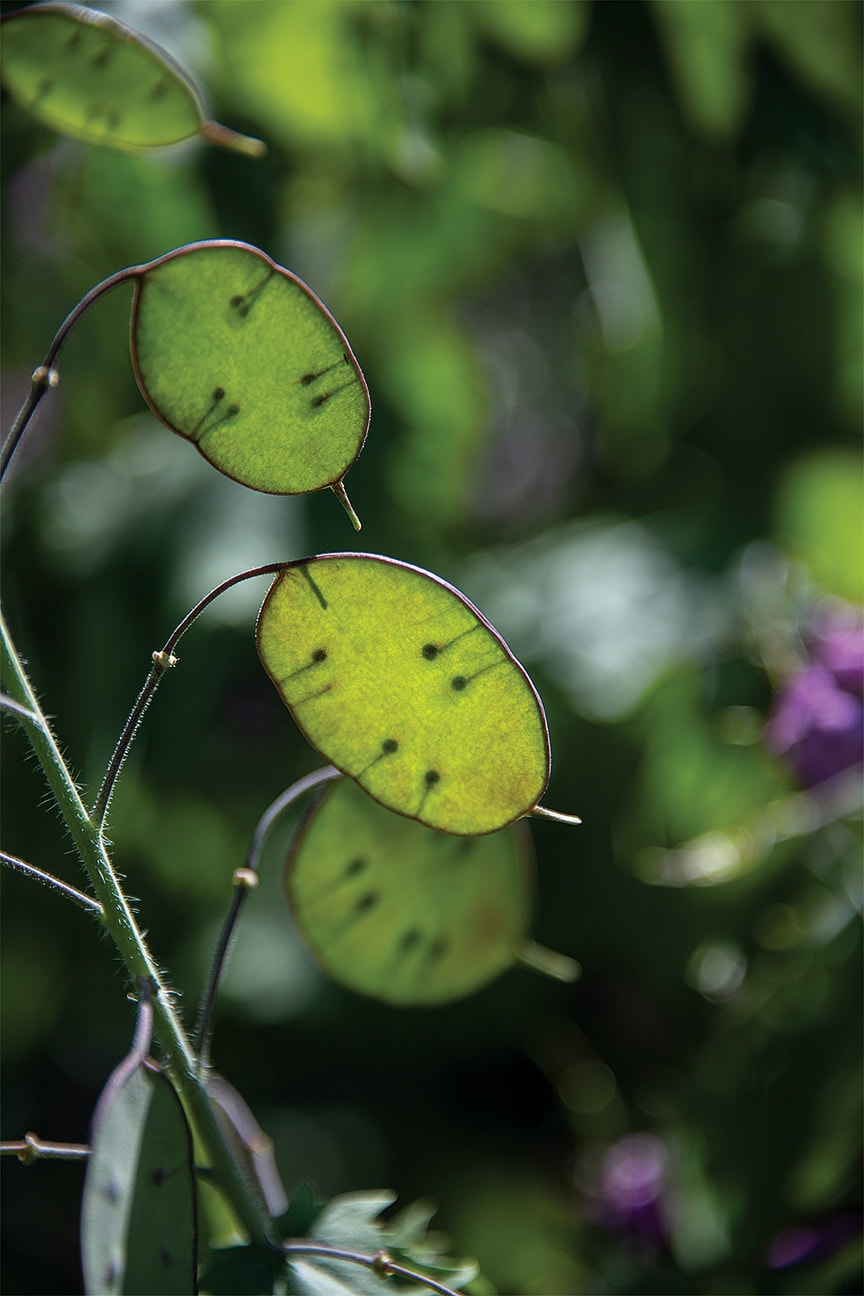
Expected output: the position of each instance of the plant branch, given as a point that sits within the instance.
(49, 880)
(245, 880)
(380, 1263)
(31, 1148)
(9, 704)
(131, 945)
(45, 377)
(162, 661)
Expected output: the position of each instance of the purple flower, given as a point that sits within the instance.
(817, 721)
(626, 1188)
(810, 1243)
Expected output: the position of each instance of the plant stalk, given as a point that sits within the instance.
(245, 880)
(45, 377)
(54, 883)
(131, 945)
(162, 661)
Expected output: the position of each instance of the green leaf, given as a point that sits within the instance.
(820, 518)
(91, 77)
(138, 1214)
(400, 683)
(352, 1223)
(398, 911)
(708, 48)
(237, 355)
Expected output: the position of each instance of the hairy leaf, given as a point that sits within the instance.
(398, 911)
(237, 355)
(400, 683)
(89, 76)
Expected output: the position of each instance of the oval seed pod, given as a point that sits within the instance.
(237, 355)
(395, 910)
(86, 75)
(401, 683)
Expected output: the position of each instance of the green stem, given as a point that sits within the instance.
(46, 376)
(245, 880)
(162, 661)
(49, 880)
(380, 1264)
(121, 925)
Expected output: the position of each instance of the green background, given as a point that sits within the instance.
(601, 266)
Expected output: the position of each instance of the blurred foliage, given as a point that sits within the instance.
(601, 264)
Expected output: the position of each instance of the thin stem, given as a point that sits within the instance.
(49, 880)
(45, 376)
(245, 880)
(10, 705)
(380, 1263)
(124, 742)
(31, 1148)
(162, 661)
(132, 946)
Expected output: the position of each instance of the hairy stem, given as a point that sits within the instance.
(380, 1263)
(45, 376)
(55, 884)
(245, 880)
(131, 945)
(162, 661)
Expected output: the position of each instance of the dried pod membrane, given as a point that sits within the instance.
(237, 355)
(400, 683)
(395, 910)
(87, 75)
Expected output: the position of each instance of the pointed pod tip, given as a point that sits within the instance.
(552, 964)
(541, 812)
(338, 489)
(224, 137)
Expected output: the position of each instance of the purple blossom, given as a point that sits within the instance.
(626, 1189)
(817, 721)
(810, 1243)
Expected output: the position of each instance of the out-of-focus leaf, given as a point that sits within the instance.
(138, 1213)
(691, 782)
(400, 682)
(547, 32)
(91, 77)
(401, 912)
(237, 355)
(708, 47)
(821, 41)
(517, 174)
(300, 68)
(820, 519)
(433, 379)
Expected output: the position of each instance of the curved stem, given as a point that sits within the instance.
(130, 942)
(245, 880)
(162, 661)
(49, 880)
(45, 376)
(380, 1263)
